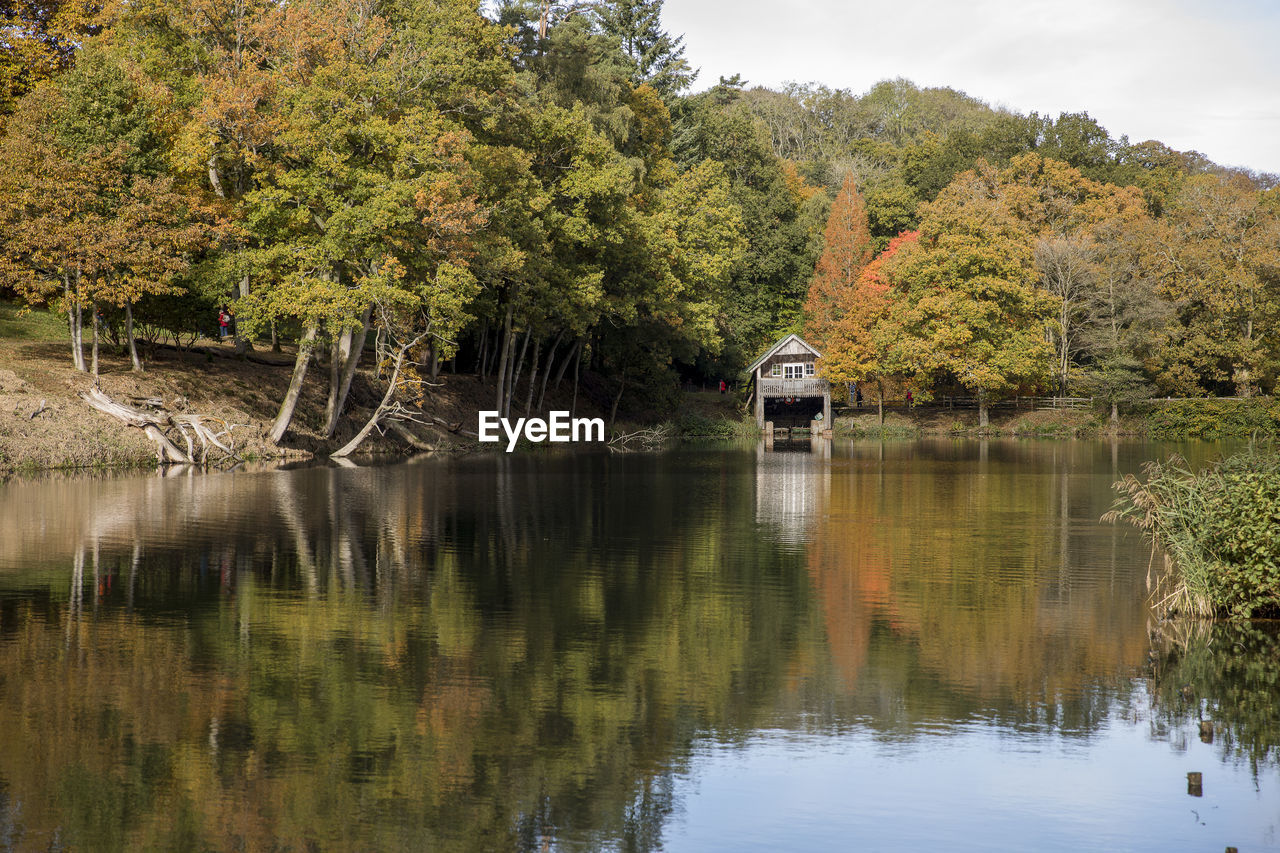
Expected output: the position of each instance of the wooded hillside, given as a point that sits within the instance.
(529, 190)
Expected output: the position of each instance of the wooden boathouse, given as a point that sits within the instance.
(788, 392)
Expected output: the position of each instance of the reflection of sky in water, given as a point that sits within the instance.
(973, 788)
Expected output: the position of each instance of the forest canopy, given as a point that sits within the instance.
(528, 188)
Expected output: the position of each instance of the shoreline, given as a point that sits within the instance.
(45, 426)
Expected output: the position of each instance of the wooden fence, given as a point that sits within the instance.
(948, 402)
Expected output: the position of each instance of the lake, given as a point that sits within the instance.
(827, 646)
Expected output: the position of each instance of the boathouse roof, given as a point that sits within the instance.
(793, 337)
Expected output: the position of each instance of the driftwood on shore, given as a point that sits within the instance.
(650, 438)
(159, 425)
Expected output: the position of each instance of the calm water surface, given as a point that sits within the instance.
(931, 645)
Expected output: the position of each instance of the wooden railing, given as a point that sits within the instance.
(944, 402)
(810, 387)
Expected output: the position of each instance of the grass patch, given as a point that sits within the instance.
(35, 324)
(1217, 529)
(869, 426)
(695, 425)
(1050, 430)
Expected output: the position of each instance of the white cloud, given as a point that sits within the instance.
(1193, 74)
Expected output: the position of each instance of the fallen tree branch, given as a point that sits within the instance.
(387, 408)
(157, 425)
(456, 429)
(412, 440)
(641, 439)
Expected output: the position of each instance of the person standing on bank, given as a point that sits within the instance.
(224, 320)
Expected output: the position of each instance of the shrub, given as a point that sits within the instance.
(1214, 418)
(1217, 528)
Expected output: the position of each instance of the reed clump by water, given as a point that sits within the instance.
(1217, 529)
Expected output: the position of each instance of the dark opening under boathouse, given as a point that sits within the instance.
(788, 392)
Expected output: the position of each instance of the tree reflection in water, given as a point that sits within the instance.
(515, 652)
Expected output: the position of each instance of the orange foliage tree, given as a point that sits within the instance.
(857, 345)
(846, 253)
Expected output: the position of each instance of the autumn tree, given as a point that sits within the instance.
(221, 55)
(970, 310)
(83, 218)
(860, 341)
(366, 188)
(40, 39)
(55, 209)
(1215, 253)
(1069, 217)
(846, 252)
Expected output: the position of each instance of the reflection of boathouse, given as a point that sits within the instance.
(788, 391)
(792, 488)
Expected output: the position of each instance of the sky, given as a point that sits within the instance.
(1195, 75)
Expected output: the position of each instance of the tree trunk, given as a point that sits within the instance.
(1115, 412)
(349, 448)
(482, 350)
(339, 349)
(347, 352)
(564, 365)
(1064, 349)
(383, 407)
(533, 376)
(490, 350)
(94, 307)
(546, 370)
(983, 419)
(517, 369)
(613, 413)
(75, 323)
(577, 362)
(242, 343)
(151, 423)
(502, 360)
(275, 338)
(128, 333)
(880, 402)
(285, 415)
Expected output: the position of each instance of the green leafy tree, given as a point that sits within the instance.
(367, 189)
(656, 55)
(782, 218)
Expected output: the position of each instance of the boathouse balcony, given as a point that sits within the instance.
(810, 387)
